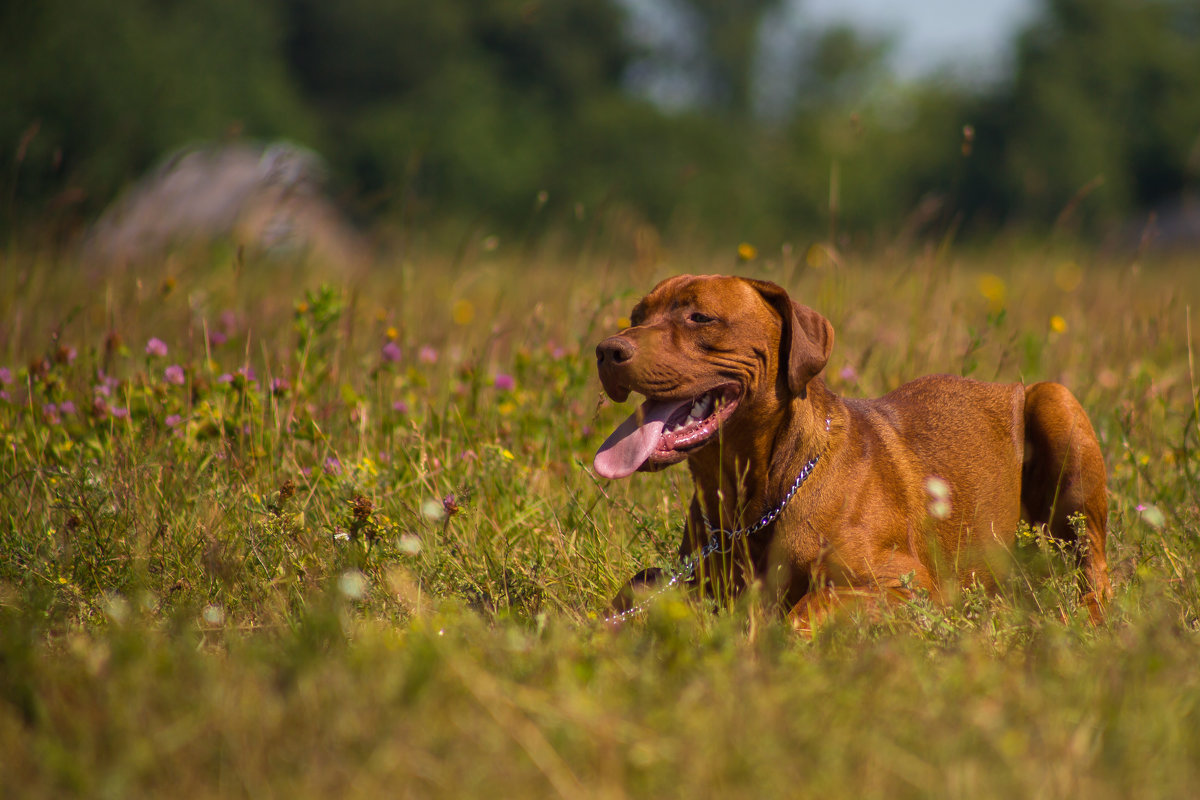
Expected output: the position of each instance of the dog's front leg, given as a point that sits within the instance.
(819, 606)
(640, 584)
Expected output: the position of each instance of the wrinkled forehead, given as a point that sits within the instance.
(720, 294)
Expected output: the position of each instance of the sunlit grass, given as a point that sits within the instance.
(272, 529)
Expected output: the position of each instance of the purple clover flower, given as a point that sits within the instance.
(156, 347)
(427, 355)
(392, 352)
(505, 382)
(106, 385)
(174, 374)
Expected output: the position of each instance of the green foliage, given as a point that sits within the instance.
(515, 117)
(463, 108)
(728, 34)
(99, 91)
(1098, 121)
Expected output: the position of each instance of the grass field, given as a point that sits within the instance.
(275, 531)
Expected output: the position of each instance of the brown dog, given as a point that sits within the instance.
(914, 489)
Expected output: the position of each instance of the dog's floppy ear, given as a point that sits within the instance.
(805, 341)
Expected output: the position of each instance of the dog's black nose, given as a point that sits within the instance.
(614, 350)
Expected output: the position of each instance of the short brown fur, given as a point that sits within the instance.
(861, 526)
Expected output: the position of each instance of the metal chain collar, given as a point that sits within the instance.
(721, 541)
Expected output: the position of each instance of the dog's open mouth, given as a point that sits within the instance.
(663, 432)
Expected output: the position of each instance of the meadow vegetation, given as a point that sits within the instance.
(273, 530)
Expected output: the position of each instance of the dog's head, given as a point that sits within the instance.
(704, 351)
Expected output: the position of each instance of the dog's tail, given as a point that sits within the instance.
(1063, 478)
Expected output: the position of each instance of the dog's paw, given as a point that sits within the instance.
(638, 584)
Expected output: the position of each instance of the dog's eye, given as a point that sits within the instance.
(700, 319)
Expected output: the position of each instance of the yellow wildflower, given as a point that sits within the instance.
(994, 289)
(463, 312)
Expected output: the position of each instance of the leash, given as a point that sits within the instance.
(720, 541)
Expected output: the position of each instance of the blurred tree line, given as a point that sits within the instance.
(520, 113)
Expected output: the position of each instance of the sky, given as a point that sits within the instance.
(969, 38)
(931, 34)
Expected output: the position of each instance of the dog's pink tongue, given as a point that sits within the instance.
(634, 439)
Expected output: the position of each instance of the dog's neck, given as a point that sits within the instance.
(734, 486)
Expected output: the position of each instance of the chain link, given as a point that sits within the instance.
(720, 541)
(715, 534)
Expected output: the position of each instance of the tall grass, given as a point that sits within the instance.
(271, 530)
